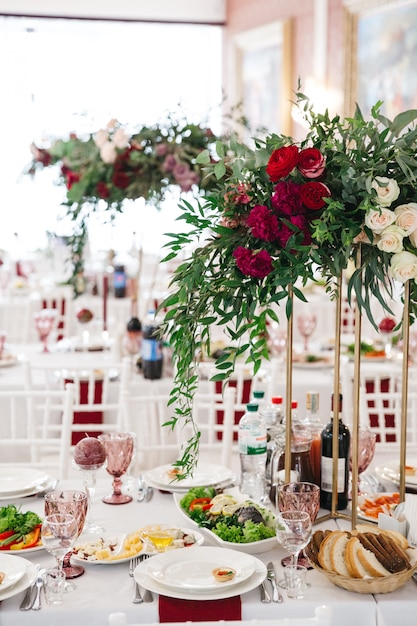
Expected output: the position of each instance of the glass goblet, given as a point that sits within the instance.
(119, 451)
(59, 533)
(293, 530)
(44, 323)
(72, 503)
(89, 481)
(306, 325)
(366, 452)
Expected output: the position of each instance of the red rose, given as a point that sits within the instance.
(263, 223)
(313, 194)
(281, 162)
(311, 163)
(72, 177)
(102, 190)
(256, 264)
(120, 180)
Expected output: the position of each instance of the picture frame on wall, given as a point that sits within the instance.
(264, 78)
(381, 49)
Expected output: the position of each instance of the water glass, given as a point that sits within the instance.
(295, 580)
(54, 585)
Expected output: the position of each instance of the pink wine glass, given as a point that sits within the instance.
(68, 502)
(119, 451)
(306, 325)
(44, 322)
(366, 452)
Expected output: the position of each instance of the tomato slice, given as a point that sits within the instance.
(200, 504)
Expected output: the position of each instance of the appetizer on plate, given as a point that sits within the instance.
(19, 531)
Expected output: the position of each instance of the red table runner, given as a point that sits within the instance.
(175, 610)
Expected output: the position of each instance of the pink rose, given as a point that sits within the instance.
(311, 163)
(256, 264)
(263, 223)
(281, 162)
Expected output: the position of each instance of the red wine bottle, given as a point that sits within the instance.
(326, 485)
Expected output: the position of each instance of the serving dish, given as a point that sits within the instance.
(383, 502)
(390, 471)
(21, 479)
(22, 584)
(205, 474)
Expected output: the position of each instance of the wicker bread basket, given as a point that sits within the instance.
(385, 584)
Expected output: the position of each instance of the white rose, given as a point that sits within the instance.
(403, 266)
(387, 190)
(120, 139)
(407, 217)
(378, 219)
(362, 238)
(108, 152)
(112, 123)
(100, 138)
(413, 238)
(391, 239)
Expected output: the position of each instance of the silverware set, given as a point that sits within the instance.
(32, 598)
(145, 492)
(271, 576)
(138, 596)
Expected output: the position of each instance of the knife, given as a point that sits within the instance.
(276, 596)
(27, 600)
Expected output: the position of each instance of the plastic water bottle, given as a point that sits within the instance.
(252, 452)
(152, 352)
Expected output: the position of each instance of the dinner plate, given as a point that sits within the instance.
(147, 548)
(391, 471)
(205, 475)
(20, 480)
(22, 584)
(376, 498)
(255, 547)
(194, 570)
(145, 580)
(14, 570)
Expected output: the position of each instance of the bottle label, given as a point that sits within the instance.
(327, 474)
(151, 350)
(252, 443)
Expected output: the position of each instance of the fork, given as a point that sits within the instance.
(147, 595)
(137, 598)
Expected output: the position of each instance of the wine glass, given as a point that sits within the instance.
(293, 530)
(299, 496)
(386, 327)
(306, 325)
(89, 479)
(44, 322)
(72, 503)
(366, 451)
(119, 451)
(59, 533)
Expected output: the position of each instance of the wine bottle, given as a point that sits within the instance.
(343, 449)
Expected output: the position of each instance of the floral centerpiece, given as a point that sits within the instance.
(102, 170)
(282, 212)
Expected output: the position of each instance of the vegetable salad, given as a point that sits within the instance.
(19, 531)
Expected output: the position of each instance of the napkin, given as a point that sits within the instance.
(410, 514)
(175, 610)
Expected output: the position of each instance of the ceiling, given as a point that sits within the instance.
(194, 11)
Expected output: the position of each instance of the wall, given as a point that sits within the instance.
(316, 46)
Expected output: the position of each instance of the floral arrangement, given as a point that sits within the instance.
(106, 168)
(282, 214)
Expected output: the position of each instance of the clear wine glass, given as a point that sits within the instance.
(72, 503)
(293, 530)
(306, 325)
(366, 452)
(59, 533)
(89, 481)
(119, 451)
(44, 323)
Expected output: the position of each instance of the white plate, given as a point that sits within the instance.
(49, 484)
(372, 497)
(204, 475)
(13, 568)
(391, 471)
(194, 570)
(142, 577)
(7, 362)
(22, 584)
(146, 548)
(21, 479)
(255, 547)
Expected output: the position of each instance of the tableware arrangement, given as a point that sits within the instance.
(164, 574)
(24, 582)
(44, 323)
(390, 472)
(205, 475)
(366, 452)
(119, 450)
(293, 530)
(74, 504)
(306, 324)
(59, 533)
(12, 569)
(21, 482)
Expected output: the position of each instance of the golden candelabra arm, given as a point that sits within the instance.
(288, 386)
(336, 391)
(404, 388)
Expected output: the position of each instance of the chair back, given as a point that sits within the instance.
(61, 299)
(36, 429)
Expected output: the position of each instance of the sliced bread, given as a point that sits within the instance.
(326, 547)
(362, 563)
(337, 554)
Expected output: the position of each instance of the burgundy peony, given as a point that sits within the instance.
(103, 190)
(286, 200)
(256, 264)
(312, 195)
(286, 232)
(311, 163)
(263, 223)
(120, 180)
(281, 162)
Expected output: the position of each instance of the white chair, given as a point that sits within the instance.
(36, 429)
(98, 396)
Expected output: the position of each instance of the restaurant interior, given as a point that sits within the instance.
(178, 343)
